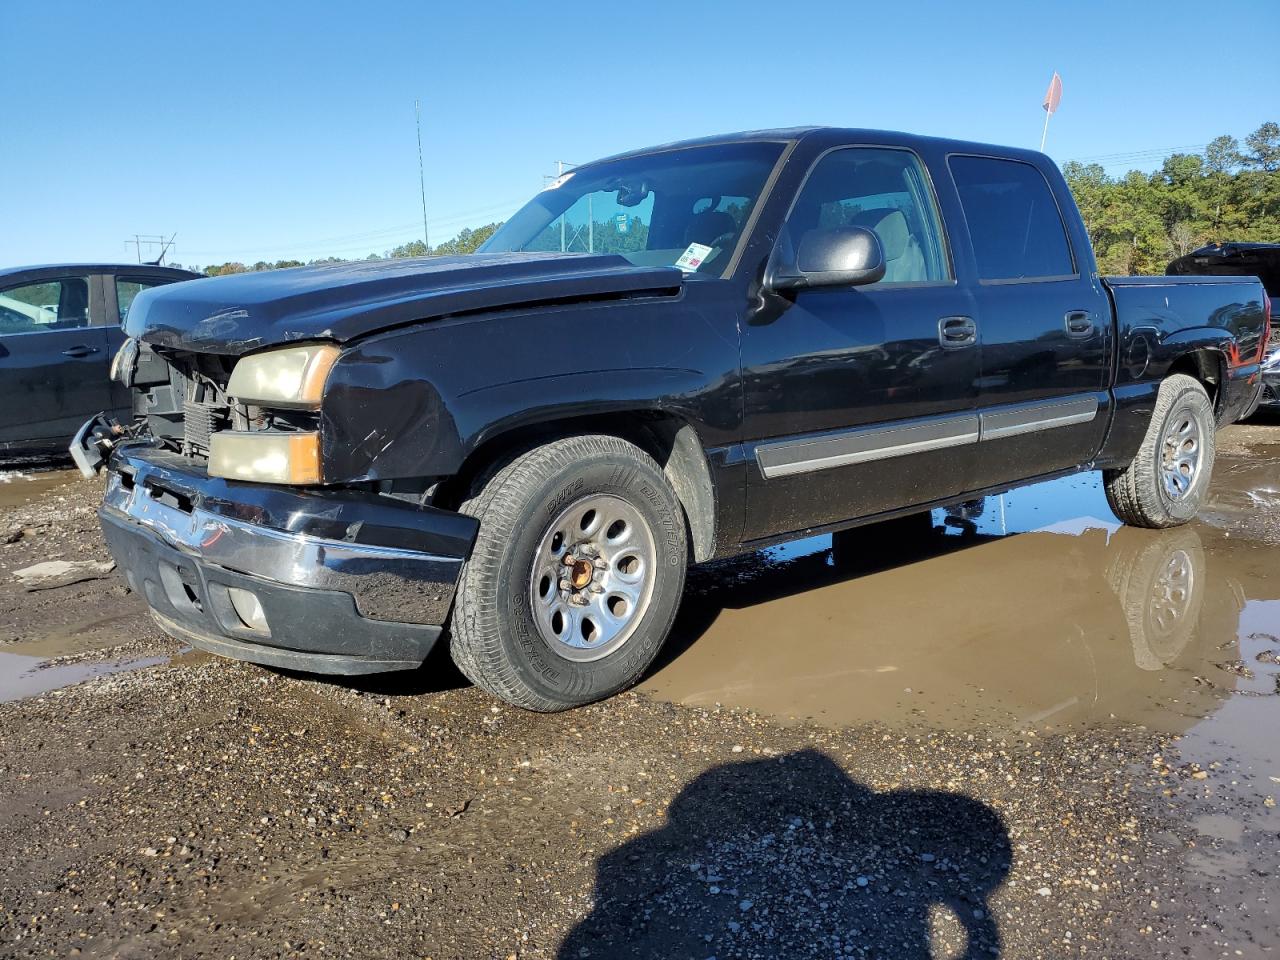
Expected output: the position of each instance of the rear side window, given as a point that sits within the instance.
(1013, 220)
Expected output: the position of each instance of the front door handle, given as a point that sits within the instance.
(957, 332)
(1079, 324)
(79, 351)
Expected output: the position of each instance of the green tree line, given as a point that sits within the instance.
(1138, 222)
(467, 241)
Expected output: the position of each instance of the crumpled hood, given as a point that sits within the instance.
(242, 312)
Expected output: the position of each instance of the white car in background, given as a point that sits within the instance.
(17, 312)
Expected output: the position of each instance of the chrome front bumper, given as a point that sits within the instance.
(336, 572)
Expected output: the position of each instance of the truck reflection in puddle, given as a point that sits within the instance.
(1035, 609)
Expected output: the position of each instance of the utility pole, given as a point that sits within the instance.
(422, 179)
(141, 240)
(165, 249)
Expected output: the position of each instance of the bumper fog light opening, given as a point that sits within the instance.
(249, 609)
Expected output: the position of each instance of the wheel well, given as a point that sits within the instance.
(672, 442)
(1205, 366)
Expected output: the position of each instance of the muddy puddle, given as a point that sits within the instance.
(1032, 610)
(20, 485)
(58, 656)
(24, 676)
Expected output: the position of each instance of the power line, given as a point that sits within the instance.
(1148, 154)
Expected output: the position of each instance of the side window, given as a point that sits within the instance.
(886, 191)
(1014, 222)
(49, 305)
(126, 290)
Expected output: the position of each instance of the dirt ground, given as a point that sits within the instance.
(1032, 733)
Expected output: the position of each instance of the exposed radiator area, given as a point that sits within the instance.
(197, 424)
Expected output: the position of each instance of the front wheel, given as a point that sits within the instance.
(575, 576)
(1167, 481)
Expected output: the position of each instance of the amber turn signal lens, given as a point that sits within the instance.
(265, 457)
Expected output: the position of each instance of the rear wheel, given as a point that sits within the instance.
(1167, 481)
(575, 577)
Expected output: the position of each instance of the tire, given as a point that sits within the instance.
(1145, 494)
(505, 636)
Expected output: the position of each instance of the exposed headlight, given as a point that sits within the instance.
(1272, 359)
(265, 457)
(125, 362)
(287, 377)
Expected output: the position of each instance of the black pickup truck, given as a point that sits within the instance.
(665, 357)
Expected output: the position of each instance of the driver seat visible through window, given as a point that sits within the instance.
(709, 226)
(885, 191)
(903, 258)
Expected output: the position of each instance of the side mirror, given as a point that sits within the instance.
(839, 257)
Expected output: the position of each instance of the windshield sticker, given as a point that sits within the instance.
(693, 257)
(558, 182)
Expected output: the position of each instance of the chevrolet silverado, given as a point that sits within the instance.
(663, 358)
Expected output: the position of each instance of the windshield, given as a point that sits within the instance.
(684, 208)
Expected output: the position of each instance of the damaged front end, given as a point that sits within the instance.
(215, 513)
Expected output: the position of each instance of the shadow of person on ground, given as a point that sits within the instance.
(789, 858)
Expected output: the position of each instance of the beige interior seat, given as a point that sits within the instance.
(903, 258)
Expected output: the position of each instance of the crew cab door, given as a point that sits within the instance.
(861, 399)
(1044, 320)
(53, 361)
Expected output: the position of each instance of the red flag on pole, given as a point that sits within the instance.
(1053, 96)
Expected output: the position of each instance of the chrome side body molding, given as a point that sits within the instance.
(782, 458)
(1021, 418)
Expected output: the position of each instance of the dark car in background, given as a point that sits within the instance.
(59, 328)
(1261, 260)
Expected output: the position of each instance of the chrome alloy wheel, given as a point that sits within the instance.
(592, 577)
(1180, 455)
(1172, 591)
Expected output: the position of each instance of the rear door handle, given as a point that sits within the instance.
(957, 332)
(79, 351)
(1079, 324)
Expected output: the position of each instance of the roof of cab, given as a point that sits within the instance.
(835, 135)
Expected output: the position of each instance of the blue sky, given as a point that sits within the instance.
(278, 129)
